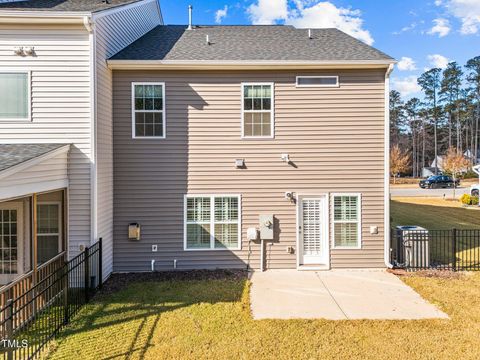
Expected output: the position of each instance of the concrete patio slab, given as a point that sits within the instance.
(336, 295)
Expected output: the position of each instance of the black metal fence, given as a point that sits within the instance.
(436, 249)
(33, 317)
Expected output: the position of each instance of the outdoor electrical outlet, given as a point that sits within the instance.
(154, 248)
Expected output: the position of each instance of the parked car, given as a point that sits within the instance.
(438, 181)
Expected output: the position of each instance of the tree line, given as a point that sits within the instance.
(447, 118)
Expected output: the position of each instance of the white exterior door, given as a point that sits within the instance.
(313, 231)
(11, 241)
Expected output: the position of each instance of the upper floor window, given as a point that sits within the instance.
(148, 110)
(257, 110)
(14, 96)
(317, 81)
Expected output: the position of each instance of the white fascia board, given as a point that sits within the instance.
(202, 64)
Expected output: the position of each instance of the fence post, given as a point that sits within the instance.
(65, 293)
(454, 248)
(9, 327)
(100, 265)
(87, 273)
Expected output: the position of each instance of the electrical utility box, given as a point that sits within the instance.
(266, 226)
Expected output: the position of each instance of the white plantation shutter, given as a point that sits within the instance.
(312, 227)
(346, 220)
(212, 222)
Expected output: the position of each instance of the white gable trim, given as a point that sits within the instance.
(36, 160)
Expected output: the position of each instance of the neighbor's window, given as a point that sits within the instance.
(48, 231)
(212, 222)
(257, 110)
(148, 110)
(14, 96)
(346, 220)
(320, 81)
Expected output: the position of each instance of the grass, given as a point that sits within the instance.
(210, 319)
(433, 213)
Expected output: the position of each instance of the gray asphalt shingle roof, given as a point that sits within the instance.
(14, 154)
(64, 5)
(243, 43)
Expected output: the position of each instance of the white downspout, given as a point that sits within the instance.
(386, 225)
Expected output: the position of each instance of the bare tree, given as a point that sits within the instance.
(455, 163)
(399, 162)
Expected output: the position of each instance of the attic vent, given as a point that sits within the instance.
(318, 81)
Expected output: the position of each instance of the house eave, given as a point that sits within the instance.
(42, 18)
(244, 65)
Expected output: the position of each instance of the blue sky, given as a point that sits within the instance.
(420, 34)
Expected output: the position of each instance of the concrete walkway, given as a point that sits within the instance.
(336, 295)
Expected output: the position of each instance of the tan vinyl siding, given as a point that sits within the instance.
(334, 136)
(113, 32)
(61, 111)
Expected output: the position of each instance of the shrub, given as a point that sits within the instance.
(470, 174)
(474, 200)
(467, 199)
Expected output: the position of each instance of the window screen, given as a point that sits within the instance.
(14, 96)
(148, 118)
(257, 110)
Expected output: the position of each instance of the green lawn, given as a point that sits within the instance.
(433, 214)
(210, 319)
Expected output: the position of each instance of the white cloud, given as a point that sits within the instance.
(438, 61)
(266, 12)
(406, 64)
(441, 27)
(310, 14)
(220, 14)
(406, 86)
(467, 11)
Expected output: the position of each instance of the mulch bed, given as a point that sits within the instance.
(117, 282)
(441, 274)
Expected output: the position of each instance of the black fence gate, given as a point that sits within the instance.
(436, 249)
(32, 315)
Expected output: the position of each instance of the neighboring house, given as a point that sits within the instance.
(219, 130)
(56, 124)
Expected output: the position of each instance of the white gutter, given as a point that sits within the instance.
(386, 185)
(226, 64)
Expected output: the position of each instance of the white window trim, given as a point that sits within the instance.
(212, 222)
(359, 221)
(164, 122)
(60, 223)
(29, 95)
(318, 76)
(272, 111)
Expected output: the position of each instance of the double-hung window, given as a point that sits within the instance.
(49, 230)
(148, 110)
(347, 220)
(212, 222)
(257, 110)
(14, 95)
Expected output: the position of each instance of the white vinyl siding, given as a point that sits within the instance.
(14, 95)
(317, 81)
(346, 220)
(257, 110)
(114, 31)
(212, 222)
